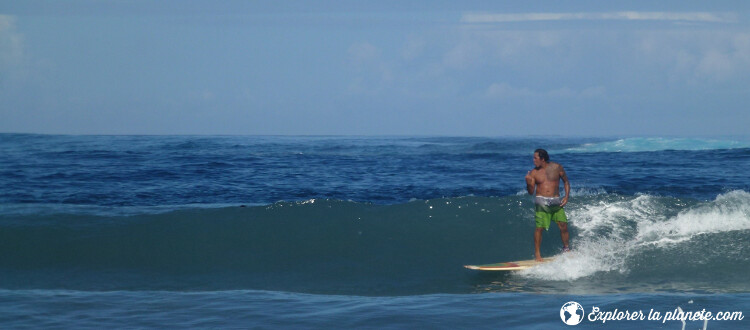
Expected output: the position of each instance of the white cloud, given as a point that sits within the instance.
(696, 56)
(726, 59)
(207, 95)
(373, 72)
(596, 91)
(524, 63)
(493, 48)
(363, 52)
(706, 17)
(11, 44)
(465, 53)
(506, 91)
(564, 92)
(413, 48)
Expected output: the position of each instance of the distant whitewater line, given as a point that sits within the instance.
(659, 144)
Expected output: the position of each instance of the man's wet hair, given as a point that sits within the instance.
(543, 155)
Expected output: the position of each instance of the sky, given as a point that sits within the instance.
(430, 67)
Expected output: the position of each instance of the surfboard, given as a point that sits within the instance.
(511, 265)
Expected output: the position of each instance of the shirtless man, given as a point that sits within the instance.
(545, 179)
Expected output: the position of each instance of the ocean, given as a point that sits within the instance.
(367, 232)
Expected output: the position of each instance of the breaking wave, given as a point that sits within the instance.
(659, 144)
(620, 243)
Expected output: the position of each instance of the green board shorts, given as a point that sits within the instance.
(544, 215)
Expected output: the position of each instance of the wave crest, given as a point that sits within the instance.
(645, 233)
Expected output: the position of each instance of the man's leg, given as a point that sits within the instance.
(538, 243)
(564, 233)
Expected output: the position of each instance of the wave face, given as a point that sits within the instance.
(621, 244)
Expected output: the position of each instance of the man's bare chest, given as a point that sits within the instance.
(546, 175)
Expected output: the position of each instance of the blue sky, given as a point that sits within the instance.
(491, 68)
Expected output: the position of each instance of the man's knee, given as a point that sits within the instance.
(563, 226)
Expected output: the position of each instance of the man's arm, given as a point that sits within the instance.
(564, 177)
(530, 182)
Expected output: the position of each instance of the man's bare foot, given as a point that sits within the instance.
(566, 249)
(538, 258)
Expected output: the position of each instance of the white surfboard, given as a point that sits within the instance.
(511, 265)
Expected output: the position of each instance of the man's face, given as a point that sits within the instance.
(537, 161)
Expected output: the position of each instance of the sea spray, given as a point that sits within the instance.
(645, 236)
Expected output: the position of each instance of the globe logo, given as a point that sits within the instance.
(571, 313)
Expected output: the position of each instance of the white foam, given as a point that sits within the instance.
(610, 231)
(589, 257)
(657, 144)
(587, 191)
(575, 191)
(729, 212)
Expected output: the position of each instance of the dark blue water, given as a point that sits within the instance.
(243, 231)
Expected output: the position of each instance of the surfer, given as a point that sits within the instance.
(544, 183)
